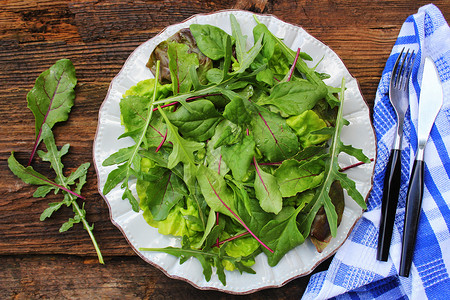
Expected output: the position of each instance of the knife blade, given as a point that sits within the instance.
(430, 102)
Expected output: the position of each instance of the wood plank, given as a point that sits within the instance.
(98, 36)
(71, 277)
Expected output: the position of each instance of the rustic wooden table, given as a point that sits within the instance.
(98, 36)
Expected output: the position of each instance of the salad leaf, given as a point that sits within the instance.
(331, 174)
(199, 122)
(52, 97)
(295, 97)
(282, 234)
(211, 40)
(215, 190)
(248, 208)
(295, 176)
(239, 156)
(160, 53)
(273, 137)
(305, 125)
(163, 194)
(267, 191)
(320, 230)
(183, 149)
(270, 40)
(179, 57)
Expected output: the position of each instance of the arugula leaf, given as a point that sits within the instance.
(207, 259)
(47, 213)
(52, 97)
(53, 155)
(240, 40)
(244, 58)
(125, 171)
(331, 174)
(183, 149)
(30, 176)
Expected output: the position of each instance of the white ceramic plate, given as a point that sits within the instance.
(301, 260)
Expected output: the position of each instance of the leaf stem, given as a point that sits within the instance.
(58, 186)
(188, 99)
(232, 238)
(88, 229)
(353, 166)
(291, 71)
(162, 142)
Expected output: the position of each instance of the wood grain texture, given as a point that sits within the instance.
(98, 36)
(70, 277)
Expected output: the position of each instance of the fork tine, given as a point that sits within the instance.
(395, 73)
(405, 71)
(400, 79)
(411, 60)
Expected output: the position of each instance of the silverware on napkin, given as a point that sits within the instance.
(399, 98)
(431, 99)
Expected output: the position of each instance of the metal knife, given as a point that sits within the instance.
(430, 102)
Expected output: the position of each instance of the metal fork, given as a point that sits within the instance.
(399, 98)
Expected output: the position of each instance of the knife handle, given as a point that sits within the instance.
(389, 203)
(412, 213)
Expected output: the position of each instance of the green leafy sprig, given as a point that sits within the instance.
(54, 92)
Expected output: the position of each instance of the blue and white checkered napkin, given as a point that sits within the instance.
(354, 272)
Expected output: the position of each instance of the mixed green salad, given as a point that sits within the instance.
(235, 148)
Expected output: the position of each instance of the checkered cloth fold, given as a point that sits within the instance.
(354, 272)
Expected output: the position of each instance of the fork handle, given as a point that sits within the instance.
(412, 214)
(389, 203)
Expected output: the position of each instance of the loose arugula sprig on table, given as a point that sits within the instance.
(51, 100)
(236, 148)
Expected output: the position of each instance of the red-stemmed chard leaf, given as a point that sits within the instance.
(267, 191)
(273, 137)
(52, 97)
(239, 219)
